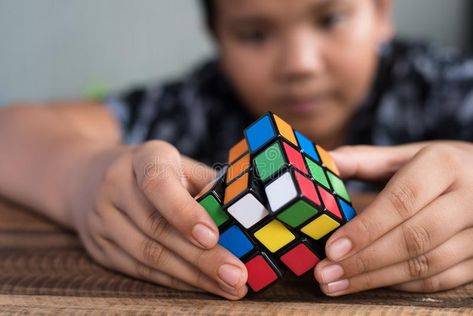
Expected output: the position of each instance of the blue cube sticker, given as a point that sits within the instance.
(235, 241)
(347, 210)
(307, 146)
(260, 133)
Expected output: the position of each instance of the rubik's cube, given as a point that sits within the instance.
(277, 201)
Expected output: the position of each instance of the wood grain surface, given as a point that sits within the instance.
(45, 270)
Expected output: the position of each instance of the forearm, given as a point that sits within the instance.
(42, 155)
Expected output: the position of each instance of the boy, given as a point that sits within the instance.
(330, 68)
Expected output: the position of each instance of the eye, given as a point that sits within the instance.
(331, 20)
(253, 37)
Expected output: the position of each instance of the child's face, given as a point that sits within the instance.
(310, 61)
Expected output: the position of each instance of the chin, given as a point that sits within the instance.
(316, 128)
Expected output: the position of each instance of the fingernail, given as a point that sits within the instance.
(204, 235)
(230, 274)
(331, 273)
(339, 248)
(338, 286)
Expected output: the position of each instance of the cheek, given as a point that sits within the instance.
(250, 73)
(355, 73)
(353, 64)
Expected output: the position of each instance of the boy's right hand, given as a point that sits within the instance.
(134, 211)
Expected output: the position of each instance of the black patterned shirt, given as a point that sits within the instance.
(421, 92)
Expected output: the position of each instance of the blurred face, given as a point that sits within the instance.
(310, 61)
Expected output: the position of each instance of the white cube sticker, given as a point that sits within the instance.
(281, 191)
(248, 210)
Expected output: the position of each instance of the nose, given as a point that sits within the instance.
(300, 58)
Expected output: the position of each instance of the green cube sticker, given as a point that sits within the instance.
(269, 161)
(317, 172)
(214, 209)
(297, 213)
(338, 186)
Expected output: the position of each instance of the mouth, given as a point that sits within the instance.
(305, 104)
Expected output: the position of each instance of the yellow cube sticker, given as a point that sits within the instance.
(320, 227)
(274, 236)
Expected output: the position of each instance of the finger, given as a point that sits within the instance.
(409, 190)
(163, 185)
(138, 269)
(458, 275)
(445, 256)
(373, 162)
(156, 256)
(120, 261)
(107, 254)
(217, 263)
(411, 239)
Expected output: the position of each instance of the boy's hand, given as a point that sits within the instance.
(136, 214)
(417, 234)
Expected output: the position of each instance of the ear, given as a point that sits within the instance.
(385, 24)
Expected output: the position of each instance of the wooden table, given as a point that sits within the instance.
(44, 269)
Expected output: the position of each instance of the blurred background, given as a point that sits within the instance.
(56, 49)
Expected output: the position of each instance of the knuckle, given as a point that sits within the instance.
(101, 202)
(175, 283)
(153, 253)
(361, 264)
(110, 174)
(96, 249)
(353, 148)
(158, 225)
(209, 260)
(142, 271)
(187, 210)
(402, 197)
(114, 171)
(433, 149)
(98, 209)
(418, 267)
(416, 240)
(346, 149)
(153, 161)
(101, 243)
(102, 210)
(152, 148)
(98, 216)
(200, 279)
(449, 156)
(431, 285)
(160, 145)
(199, 259)
(366, 283)
(152, 181)
(109, 188)
(363, 230)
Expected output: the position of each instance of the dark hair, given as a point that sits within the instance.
(208, 10)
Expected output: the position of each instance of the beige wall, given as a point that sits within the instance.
(56, 48)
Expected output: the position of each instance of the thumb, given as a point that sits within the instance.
(373, 163)
(197, 175)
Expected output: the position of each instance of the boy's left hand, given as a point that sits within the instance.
(417, 234)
